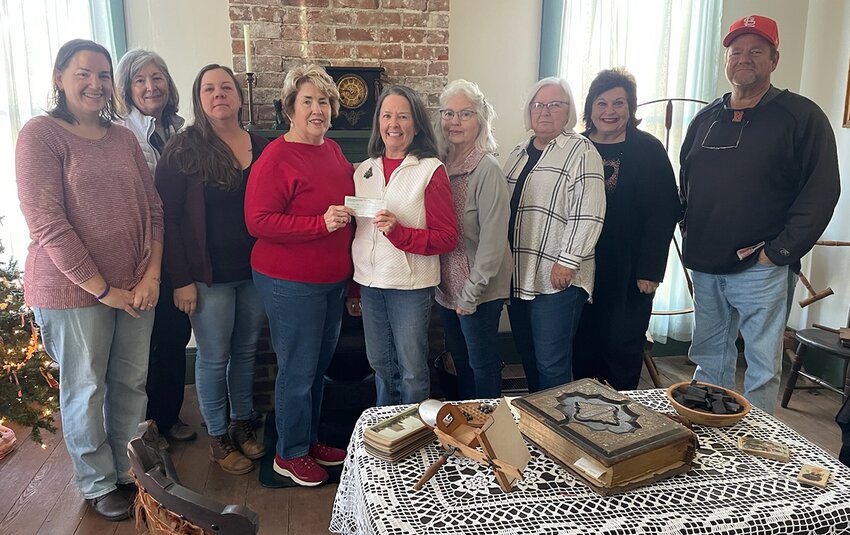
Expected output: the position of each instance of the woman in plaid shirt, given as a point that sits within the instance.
(557, 191)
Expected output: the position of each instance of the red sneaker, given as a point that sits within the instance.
(326, 455)
(303, 470)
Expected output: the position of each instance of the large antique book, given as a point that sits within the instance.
(608, 440)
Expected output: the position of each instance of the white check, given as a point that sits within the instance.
(364, 206)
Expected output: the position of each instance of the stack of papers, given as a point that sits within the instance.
(398, 436)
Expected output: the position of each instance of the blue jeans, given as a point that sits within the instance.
(103, 363)
(474, 344)
(754, 301)
(304, 320)
(227, 324)
(543, 330)
(395, 323)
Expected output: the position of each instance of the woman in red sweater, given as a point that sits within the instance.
(302, 262)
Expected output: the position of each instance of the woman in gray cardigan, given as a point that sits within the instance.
(475, 277)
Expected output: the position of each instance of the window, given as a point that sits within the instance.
(32, 32)
(672, 47)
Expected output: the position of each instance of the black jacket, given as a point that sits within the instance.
(768, 173)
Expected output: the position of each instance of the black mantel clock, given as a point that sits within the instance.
(359, 88)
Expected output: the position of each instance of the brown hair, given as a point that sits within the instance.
(424, 143)
(199, 150)
(607, 80)
(59, 106)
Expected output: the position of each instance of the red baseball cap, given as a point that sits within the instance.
(757, 24)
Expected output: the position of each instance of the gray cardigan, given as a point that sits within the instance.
(485, 237)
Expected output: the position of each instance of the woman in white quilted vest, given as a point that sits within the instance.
(396, 252)
(475, 277)
(147, 100)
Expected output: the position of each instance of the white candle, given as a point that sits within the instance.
(246, 30)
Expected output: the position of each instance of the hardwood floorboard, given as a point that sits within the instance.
(92, 524)
(272, 506)
(19, 467)
(227, 488)
(35, 496)
(66, 515)
(310, 509)
(126, 528)
(41, 495)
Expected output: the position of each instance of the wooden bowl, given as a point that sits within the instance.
(707, 418)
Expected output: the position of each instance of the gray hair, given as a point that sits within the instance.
(129, 66)
(560, 82)
(485, 142)
(316, 75)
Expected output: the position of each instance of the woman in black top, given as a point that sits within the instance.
(201, 179)
(631, 254)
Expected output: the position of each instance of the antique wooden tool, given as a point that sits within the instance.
(813, 295)
(502, 445)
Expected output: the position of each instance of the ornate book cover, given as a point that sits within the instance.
(606, 438)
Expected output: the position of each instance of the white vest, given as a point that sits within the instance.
(377, 262)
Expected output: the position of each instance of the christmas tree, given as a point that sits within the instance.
(29, 393)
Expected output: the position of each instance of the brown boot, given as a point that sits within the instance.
(243, 436)
(223, 452)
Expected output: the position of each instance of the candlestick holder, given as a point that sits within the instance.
(250, 79)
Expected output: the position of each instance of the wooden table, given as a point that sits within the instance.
(727, 491)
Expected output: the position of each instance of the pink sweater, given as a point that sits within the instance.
(90, 206)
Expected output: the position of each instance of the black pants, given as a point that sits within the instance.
(167, 365)
(610, 340)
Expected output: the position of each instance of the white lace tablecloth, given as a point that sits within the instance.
(727, 491)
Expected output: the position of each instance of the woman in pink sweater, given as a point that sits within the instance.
(93, 267)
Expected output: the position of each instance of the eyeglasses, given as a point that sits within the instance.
(449, 115)
(723, 135)
(555, 105)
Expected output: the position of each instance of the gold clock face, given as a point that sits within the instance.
(352, 91)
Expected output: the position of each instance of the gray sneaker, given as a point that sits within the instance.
(181, 432)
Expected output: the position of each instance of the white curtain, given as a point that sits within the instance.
(673, 49)
(31, 32)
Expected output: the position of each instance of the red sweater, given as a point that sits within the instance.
(441, 235)
(91, 207)
(290, 188)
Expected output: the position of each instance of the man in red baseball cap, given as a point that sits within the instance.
(759, 181)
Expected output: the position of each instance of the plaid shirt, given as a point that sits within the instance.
(560, 214)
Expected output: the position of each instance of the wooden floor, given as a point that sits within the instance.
(38, 493)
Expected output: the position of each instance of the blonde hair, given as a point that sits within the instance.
(316, 75)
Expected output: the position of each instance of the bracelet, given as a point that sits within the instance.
(104, 294)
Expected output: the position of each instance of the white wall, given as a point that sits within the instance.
(823, 79)
(496, 43)
(188, 34)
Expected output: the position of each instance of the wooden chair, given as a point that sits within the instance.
(168, 507)
(827, 340)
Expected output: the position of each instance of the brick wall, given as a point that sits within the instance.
(408, 38)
